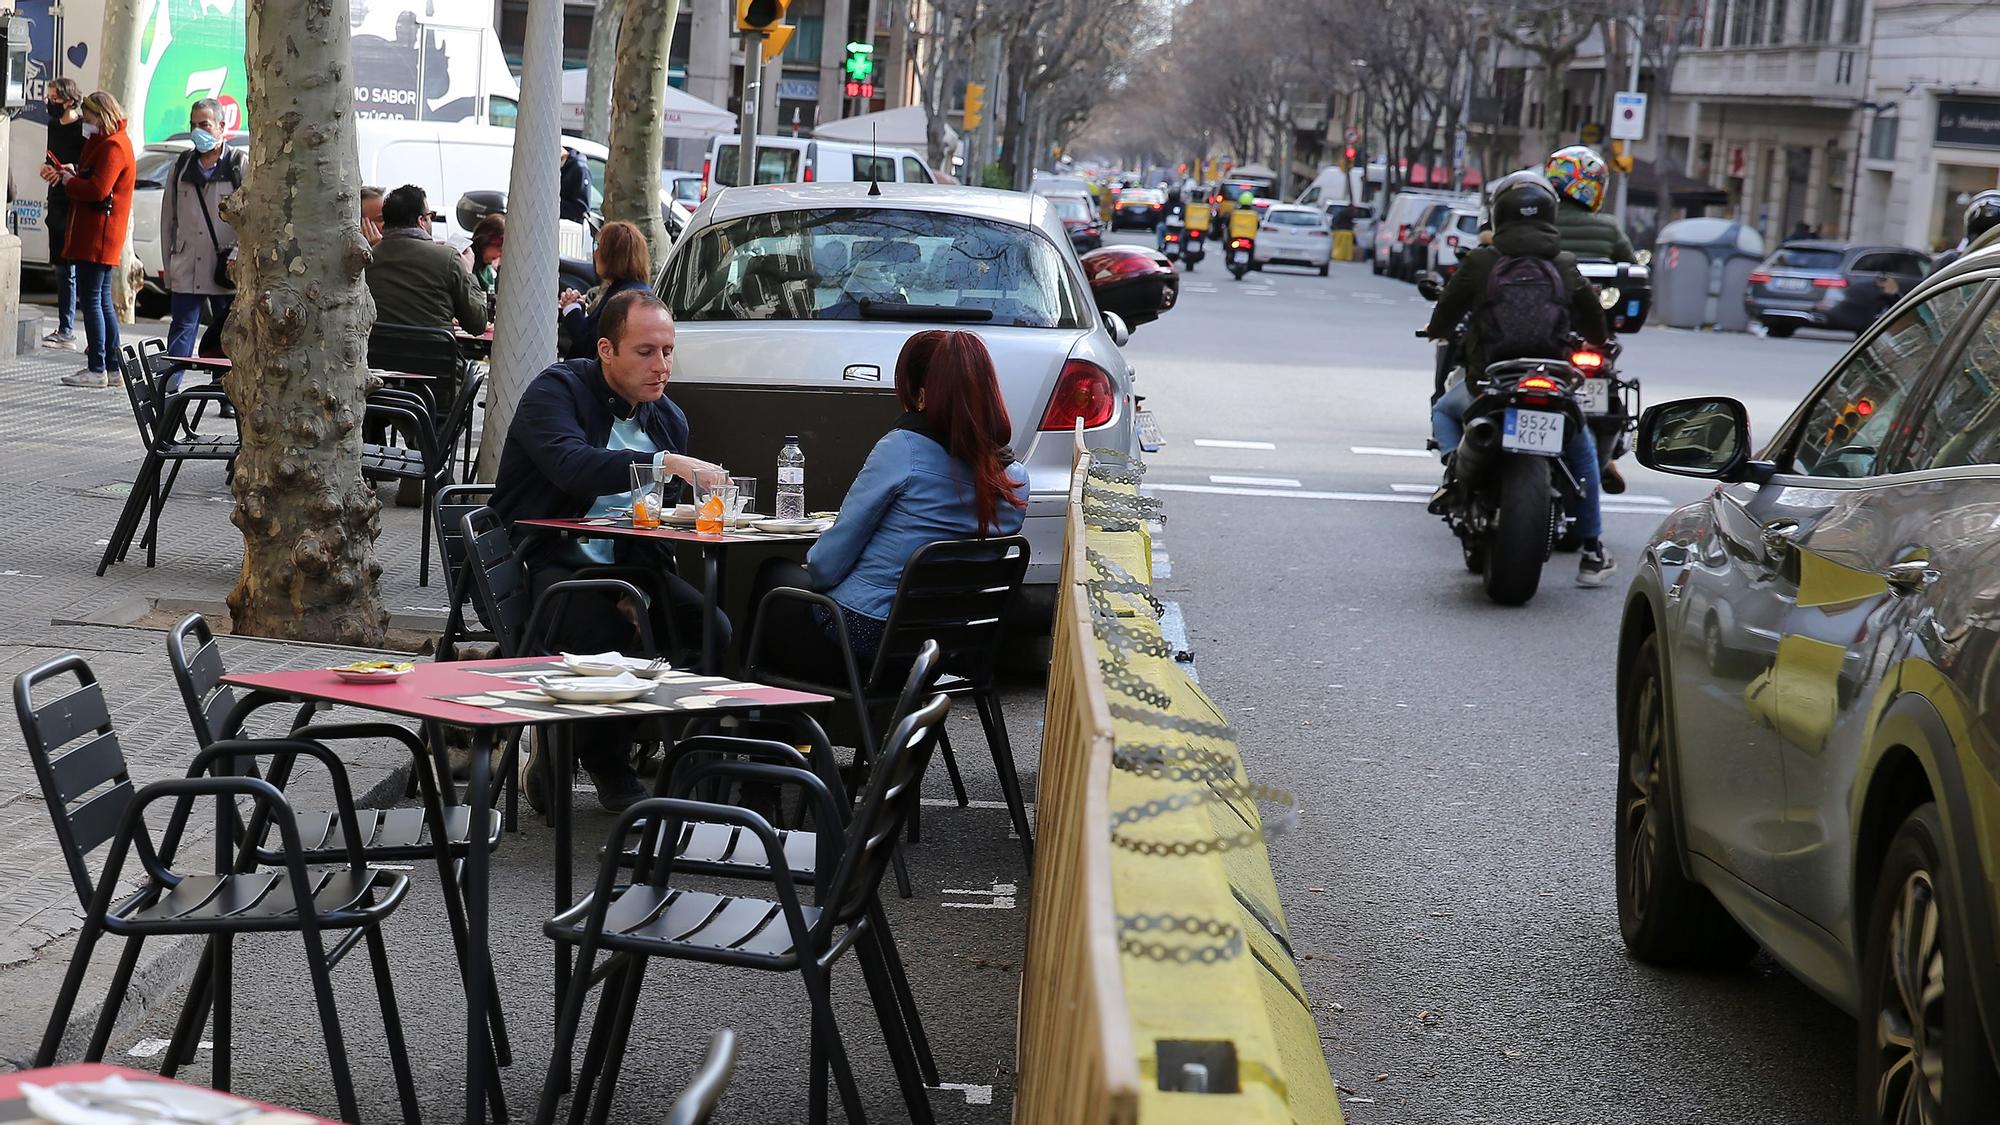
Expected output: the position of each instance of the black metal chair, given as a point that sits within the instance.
(698, 1100)
(421, 459)
(650, 917)
(434, 831)
(420, 350)
(957, 593)
(449, 508)
(165, 429)
(92, 800)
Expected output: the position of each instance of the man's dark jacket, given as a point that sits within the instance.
(555, 464)
(1592, 234)
(1467, 288)
(575, 187)
(417, 281)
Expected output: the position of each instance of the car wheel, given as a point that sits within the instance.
(1923, 1054)
(1665, 917)
(148, 304)
(1324, 267)
(1780, 331)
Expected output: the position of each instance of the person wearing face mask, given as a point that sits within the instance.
(66, 142)
(99, 186)
(196, 242)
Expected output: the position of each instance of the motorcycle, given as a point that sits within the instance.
(1170, 243)
(1239, 256)
(1624, 290)
(1193, 247)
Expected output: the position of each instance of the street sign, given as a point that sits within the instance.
(1628, 116)
(1592, 133)
(1353, 135)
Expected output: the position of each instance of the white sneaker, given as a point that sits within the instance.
(87, 378)
(65, 341)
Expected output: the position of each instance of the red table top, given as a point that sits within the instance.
(416, 695)
(623, 529)
(216, 362)
(13, 1107)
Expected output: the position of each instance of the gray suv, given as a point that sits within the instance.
(1808, 677)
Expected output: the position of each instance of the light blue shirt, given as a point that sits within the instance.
(626, 433)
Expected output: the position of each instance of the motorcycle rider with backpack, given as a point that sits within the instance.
(1522, 297)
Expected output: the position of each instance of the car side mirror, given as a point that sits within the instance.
(1430, 286)
(1699, 437)
(1115, 324)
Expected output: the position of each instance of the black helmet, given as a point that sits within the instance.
(1523, 197)
(1982, 214)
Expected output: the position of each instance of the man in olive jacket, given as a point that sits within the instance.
(1591, 234)
(416, 279)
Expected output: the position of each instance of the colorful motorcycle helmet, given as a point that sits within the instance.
(1982, 214)
(1579, 173)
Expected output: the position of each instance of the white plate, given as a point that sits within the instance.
(791, 527)
(589, 689)
(611, 664)
(382, 676)
(1533, 431)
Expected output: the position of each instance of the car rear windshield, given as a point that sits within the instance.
(1231, 189)
(1292, 218)
(1071, 207)
(774, 165)
(1803, 258)
(851, 263)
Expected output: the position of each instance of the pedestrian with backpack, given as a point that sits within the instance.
(196, 242)
(1522, 297)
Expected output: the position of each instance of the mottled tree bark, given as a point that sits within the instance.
(118, 73)
(604, 24)
(299, 337)
(638, 102)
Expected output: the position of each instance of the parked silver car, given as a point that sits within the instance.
(794, 300)
(1806, 676)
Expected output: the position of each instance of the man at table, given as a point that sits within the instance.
(577, 431)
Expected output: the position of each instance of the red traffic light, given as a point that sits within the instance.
(1350, 152)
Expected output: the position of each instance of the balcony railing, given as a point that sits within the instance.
(1828, 75)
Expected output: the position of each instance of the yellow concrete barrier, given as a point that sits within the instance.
(1159, 984)
(1343, 246)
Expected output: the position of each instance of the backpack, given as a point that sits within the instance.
(1525, 312)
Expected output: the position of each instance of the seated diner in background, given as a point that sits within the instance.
(577, 431)
(624, 264)
(944, 472)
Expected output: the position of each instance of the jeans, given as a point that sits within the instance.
(100, 320)
(184, 331)
(65, 272)
(1579, 453)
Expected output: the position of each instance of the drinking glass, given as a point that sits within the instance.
(745, 497)
(647, 491)
(711, 484)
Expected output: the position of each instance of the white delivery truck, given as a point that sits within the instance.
(414, 60)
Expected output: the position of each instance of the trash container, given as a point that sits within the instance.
(1701, 269)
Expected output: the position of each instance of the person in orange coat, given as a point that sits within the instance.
(99, 186)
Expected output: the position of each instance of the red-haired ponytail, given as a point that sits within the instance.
(961, 404)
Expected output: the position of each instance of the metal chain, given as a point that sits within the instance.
(1272, 828)
(1126, 682)
(1124, 503)
(1189, 925)
(1116, 633)
(1111, 523)
(1198, 727)
(1098, 586)
(1162, 762)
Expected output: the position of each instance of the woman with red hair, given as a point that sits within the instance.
(944, 472)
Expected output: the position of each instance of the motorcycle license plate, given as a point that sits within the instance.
(1596, 396)
(1240, 258)
(1533, 431)
(1150, 438)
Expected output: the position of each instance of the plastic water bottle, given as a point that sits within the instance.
(791, 481)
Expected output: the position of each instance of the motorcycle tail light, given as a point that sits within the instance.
(1587, 360)
(1537, 383)
(1083, 390)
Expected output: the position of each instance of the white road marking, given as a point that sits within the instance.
(1227, 443)
(1000, 896)
(1379, 451)
(974, 1095)
(149, 1048)
(1608, 506)
(1653, 501)
(1426, 489)
(1266, 482)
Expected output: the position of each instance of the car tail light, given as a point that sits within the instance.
(809, 174)
(1537, 383)
(706, 166)
(1403, 233)
(1759, 277)
(1083, 390)
(1588, 360)
(1829, 283)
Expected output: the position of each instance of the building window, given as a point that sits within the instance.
(1819, 21)
(1774, 26)
(1882, 137)
(1850, 22)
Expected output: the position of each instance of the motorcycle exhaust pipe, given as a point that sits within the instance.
(1478, 448)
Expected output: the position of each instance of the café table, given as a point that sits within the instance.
(487, 696)
(14, 1108)
(216, 364)
(474, 347)
(712, 547)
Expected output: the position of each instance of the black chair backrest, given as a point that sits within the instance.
(414, 348)
(76, 757)
(500, 588)
(956, 593)
(895, 784)
(198, 670)
(411, 420)
(143, 395)
(459, 414)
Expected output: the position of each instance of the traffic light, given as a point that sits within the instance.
(760, 15)
(1347, 156)
(775, 39)
(975, 105)
(1620, 159)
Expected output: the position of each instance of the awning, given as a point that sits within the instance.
(684, 115)
(1643, 189)
(904, 127)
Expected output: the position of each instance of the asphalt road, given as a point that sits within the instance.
(1450, 884)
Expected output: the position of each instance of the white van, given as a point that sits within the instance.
(804, 160)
